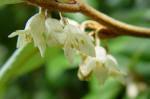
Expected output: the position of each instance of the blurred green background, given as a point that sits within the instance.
(53, 78)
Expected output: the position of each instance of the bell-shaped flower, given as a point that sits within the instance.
(34, 31)
(103, 66)
(70, 37)
(77, 41)
(55, 33)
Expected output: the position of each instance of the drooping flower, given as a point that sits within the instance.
(70, 37)
(34, 31)
(103, 66)
(55, 34)
(77, 40)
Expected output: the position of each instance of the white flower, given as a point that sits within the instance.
(77, 40)
(102, 66)
(34, 30)
(55, 33)
(70, 37)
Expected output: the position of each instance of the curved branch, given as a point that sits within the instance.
(114, 25)
(103, 32)
(117, 27)
(52, 5)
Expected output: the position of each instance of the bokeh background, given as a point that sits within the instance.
(53, 77)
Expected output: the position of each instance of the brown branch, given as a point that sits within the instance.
(117, 27)
(114, 25)
(103, 32)
(52, 5)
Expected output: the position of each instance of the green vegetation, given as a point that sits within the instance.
(51, 77)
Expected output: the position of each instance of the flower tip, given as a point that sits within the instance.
(42, 55)
(42, 50)
(82, 76)
(12, 34)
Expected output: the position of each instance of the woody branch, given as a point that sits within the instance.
(116, 27)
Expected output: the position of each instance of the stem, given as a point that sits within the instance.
(115, 26)
(63, 19)
(102, 31)
(97, 40)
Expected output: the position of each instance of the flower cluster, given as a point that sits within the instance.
(103, 66)
(46, 31)
(51, 32)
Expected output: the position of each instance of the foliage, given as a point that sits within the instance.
(53, 77)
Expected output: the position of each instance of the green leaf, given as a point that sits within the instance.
(3, 2)
(37, 61)
(24, 60)
(14, 63)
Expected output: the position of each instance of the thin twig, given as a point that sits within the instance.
(103, 32)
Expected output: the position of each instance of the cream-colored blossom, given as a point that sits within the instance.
(34, 31)
(77, 40)
(103, 66)
(55, 33)
(70, 37)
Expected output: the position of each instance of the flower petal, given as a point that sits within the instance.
(36, 23)
(111, 63)
(39, 42)
(100, 53)
(55, 34)
(101, 72)
(84, 44)
(53, 25)
(85, 70)
(69, 50)
(81, 41)
(36, 26)
(13, 34)
(23, 38)
(114, 70)
(51, 40)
